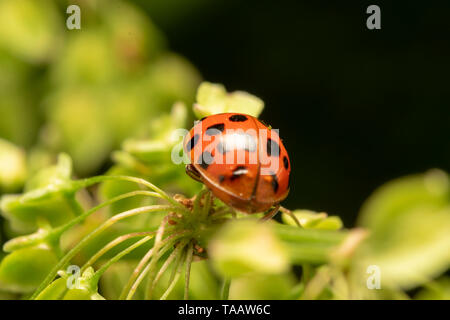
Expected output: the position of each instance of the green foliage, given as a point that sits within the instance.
(115, 92)
(48, 197)
(213, 99)
(262, 287)
(403, 230)
(85, 92)
(29, 29)
(243, 247)
(409, 223)
(24, 269)
(435, 290)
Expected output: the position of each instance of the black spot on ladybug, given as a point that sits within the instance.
(238, 118)
(215, 129)
(238, 171)
(205, 159)
(191, 144)
(221, 178)
(273, 149)
(286, 162)
(274, 183)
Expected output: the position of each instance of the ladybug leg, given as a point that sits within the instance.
(290, 214)
(271, 213)
(193, 173)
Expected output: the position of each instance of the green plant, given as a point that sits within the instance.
(132, 240)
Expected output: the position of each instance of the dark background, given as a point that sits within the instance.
(355, 107)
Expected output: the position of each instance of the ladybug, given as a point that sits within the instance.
(241, 160)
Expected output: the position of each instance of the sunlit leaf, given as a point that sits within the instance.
(213, 99)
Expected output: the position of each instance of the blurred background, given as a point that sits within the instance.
(355, 107)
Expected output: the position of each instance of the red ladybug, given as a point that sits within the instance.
(241, 160)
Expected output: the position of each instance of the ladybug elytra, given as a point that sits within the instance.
(241, 160)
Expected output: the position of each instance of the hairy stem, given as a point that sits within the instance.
(174, 281)
(168, 261)
(206, 206)
(139, 274)
(90, 181)
(190, 256)
(55, 233)
(118, 256)
(61, 264)
(111, 245)
(156, 256)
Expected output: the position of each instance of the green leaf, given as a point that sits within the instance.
(430, 190)
(49, 197)
(39, 237)
(409, 224)
(52, 177)
(24, 269)
(246, 246)
(214, 99)
(156, 148)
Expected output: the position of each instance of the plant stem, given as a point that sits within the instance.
(148, 267)
(197, 201)
(223, 211)
(56, 233)
(307, 273)
(75, 205)
(309, 246)
(78, 184)
(206, 205)
(317, 284)
(155, 257)
(118, 256)
(168, 261)
(175, 279)
(190, 256)
(300, 235)
(111, 245)
(132, 284)
(225, 291)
